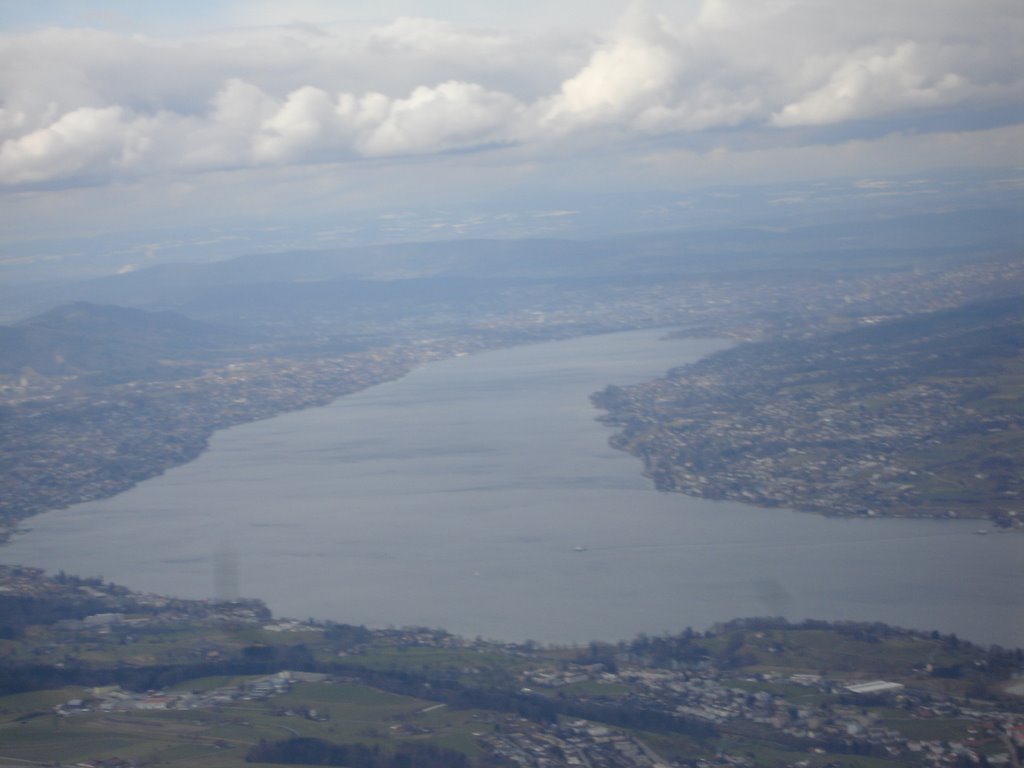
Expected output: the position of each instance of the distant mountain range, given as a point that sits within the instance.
(475, 268)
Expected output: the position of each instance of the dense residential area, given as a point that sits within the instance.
(919, 416)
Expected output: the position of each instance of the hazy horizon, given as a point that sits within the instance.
(135, 134)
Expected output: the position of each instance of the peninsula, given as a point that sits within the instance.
(917, 416)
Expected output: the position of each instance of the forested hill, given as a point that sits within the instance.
(916, 416)
(83, 337)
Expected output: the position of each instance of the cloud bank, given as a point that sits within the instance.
(81, 106)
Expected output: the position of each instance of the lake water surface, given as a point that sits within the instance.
(479, 494)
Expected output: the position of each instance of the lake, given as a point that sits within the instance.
(479, 494)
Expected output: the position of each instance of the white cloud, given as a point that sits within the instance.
(80, 103)
(616, 81)
(299, 123)
(448, 116)
(224, 136)
(894, 154)
(78, 141)
(435, 36)
(875, 81)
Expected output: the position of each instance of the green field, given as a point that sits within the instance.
(219, 736)
(394, 689)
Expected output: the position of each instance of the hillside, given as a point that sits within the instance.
(916, 416)
(86, 338)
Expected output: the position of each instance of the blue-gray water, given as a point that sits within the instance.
(479, 494)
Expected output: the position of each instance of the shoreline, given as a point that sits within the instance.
(324, 380)
(126, 519)
(387, 364)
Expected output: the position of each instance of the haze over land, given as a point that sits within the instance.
(134, 134)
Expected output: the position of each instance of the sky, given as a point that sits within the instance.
(138, 132)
